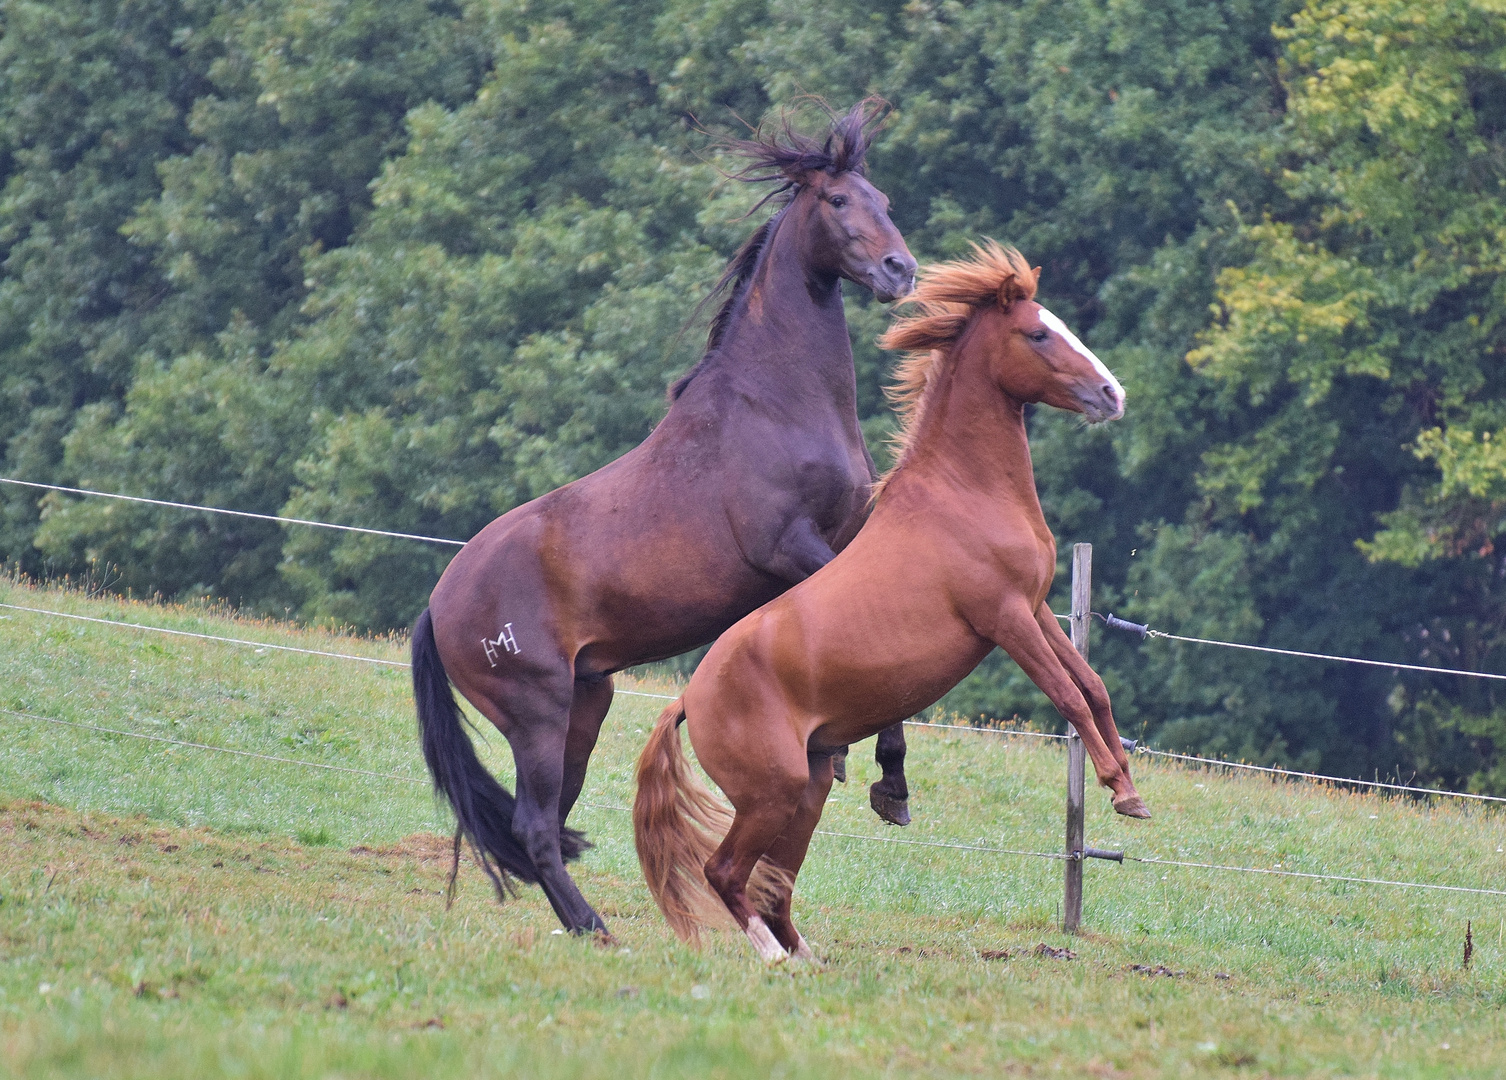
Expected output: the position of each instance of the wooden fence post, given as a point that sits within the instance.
(1082, 603)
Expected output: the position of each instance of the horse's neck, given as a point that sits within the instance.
(972, 438)
(789, 328)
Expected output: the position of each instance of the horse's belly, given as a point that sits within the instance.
(857, 664)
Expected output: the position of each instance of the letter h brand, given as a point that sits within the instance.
(506, 639)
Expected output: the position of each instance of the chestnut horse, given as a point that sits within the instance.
(955, 559)
(757, 475)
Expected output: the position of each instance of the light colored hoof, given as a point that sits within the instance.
(803, 949)
(764, 941)
(1132, 806)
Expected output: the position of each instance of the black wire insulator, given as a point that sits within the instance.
(1117, 623)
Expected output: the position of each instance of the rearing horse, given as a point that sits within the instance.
(754, 479)
(955, 560)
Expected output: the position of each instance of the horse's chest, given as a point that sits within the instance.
(1024, 557)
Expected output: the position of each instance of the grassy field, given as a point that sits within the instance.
(170, 912)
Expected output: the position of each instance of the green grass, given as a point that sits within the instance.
(170, 912)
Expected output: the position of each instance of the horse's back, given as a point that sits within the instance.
(634, 562)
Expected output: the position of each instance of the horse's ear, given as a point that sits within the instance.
(1010, 290)
(1035, 272)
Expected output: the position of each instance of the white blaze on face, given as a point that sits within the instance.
(1053, 323)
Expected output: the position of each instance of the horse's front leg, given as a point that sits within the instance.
(1018, 633)
(1087, 680)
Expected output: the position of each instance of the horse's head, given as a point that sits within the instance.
(842, 219)
(986, 305)
(847, 220)
(1036, 358)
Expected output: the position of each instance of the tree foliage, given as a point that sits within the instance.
(409, 264)
(1363, 336)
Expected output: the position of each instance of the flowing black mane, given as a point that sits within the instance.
(779, 153)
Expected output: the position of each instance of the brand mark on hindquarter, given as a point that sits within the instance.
(506, 641)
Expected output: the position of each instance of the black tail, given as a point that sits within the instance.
(483, 808)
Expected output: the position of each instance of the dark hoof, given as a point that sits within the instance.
(894, 811)
(839, 767)
(604, 939)
(1134, 807)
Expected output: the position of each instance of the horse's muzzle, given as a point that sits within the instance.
(1101, 404)
(894, 277)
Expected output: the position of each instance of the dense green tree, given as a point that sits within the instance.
(295, 108)
(94, 95)
(514, 300)
(1362, 338)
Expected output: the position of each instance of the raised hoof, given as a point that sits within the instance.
(839, 767)
(894, 811)
(1133, 806)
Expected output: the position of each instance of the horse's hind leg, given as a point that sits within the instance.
(766, 795)
(788, 854)
(593, 697)
(890, 795)
(539, 735)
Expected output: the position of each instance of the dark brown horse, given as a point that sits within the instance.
(956, 560)
(751, 483)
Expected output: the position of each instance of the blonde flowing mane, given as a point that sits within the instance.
(948, 294)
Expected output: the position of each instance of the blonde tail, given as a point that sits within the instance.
(678, 822)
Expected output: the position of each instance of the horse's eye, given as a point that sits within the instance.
(1039, 335)
(839, 201)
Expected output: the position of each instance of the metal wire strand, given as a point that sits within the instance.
(1326, 656)
(231, 513)
(1270, 770)
(1148, 861)
(418, 780)
(461, 543)
(886, 839)
(1316, 877)
(255, 644)
(206, 637)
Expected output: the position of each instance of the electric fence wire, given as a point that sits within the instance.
(1271, 770)
(419, 780)
(259, 645)
(970, 729)
(1147, 632)
(216, 749)
(231, 513)
(1325, 656)
(1059, 856)
(1151, 861)
(1144, 631)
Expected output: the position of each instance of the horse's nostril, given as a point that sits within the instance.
(897, 266)
(1109, 392)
